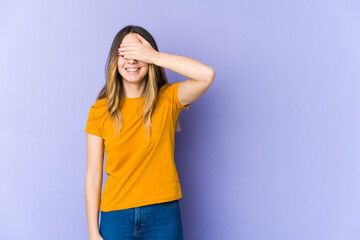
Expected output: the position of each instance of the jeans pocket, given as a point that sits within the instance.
(174, 203)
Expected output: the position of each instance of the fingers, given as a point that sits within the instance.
(127, 53)
(129, 56)
(125, 49)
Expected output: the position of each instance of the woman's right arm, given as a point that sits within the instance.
(93, 183)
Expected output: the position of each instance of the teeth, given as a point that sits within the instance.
(132, 69)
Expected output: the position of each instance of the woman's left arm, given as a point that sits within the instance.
(200, 75)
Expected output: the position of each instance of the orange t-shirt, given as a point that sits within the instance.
(139, 172)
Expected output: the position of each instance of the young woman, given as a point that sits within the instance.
(134, 120)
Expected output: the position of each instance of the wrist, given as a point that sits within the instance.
(156, 57)
(94, 233)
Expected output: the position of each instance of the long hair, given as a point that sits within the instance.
(113, 89)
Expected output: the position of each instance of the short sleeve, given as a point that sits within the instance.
(173, 91)
(93, 122)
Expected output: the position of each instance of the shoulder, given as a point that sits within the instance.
(99, 107)
(164, 86)
(169, 88)
(99, 103)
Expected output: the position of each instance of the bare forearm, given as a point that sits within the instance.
(185, 66)
(92, 198)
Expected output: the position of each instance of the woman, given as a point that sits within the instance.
(134, 120)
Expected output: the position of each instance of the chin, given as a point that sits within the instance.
(133, 79)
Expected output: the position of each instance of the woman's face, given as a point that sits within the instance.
(124, 63)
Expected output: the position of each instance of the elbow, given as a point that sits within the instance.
(211, 75)
(93, 177)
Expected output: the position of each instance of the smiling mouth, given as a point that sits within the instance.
(131, 70)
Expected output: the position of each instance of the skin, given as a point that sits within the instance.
(135, 51)
(134, 83)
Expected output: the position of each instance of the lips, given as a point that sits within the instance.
(131, 70)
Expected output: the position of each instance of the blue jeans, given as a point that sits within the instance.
(160, 221)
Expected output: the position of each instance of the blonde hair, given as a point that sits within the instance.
(113, 89)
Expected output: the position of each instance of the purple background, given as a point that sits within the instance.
(269, 152)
